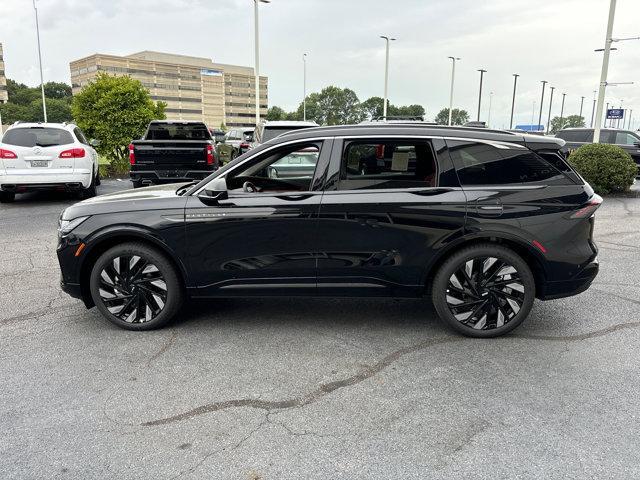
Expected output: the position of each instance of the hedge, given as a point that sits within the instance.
(607, 168)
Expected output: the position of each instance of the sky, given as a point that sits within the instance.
(551, 40)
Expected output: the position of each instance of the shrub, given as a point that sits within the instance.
(607, 168)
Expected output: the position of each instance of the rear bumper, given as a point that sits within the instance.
(40, 181)
(167, 176)
(568, 288)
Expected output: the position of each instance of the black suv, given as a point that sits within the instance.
(483, 221)
(625, 139)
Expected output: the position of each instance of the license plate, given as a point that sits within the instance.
(39, 163)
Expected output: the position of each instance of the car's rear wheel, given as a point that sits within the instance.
(90, 191)
(484, 291)
(7, 197)
(136, 287)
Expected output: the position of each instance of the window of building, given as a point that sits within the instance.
(384, 164)
(485, 164)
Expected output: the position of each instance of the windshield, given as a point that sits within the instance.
(173, 131)
(37, 136)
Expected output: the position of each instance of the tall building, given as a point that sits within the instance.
(194, 88)
(3, 79)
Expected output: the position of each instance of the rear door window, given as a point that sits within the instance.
(576, 135)
(385, 164)
(486, 164)
(80, 136)
(625, 138)
(37, 136)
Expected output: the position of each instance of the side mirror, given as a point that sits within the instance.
(212, 198)
(637, 144)
(94, 143)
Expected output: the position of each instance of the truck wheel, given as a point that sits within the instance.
(7, 197)
(136, 183)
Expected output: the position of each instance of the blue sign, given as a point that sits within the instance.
(530, 128)
(210, 73)
(615, 114)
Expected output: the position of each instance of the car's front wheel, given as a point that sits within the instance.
(6, 197)
(484, 291)
(136, 287)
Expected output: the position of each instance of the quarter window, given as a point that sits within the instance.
(385, 164)
(624, 138)
(484, 164)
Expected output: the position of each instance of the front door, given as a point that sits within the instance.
(262, 238)
(390, 205)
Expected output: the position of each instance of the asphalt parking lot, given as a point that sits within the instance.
(305, 388)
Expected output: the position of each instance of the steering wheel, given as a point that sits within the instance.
(249, 187)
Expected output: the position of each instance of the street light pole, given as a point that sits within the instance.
(257, 54)
(593, 108)
(513, 99)
(544, 84)
(490, 102)
(562, 111)
(603, 73)
(482, 72)
(581, 105)
(550, 103)
(386, 74)
(304, 87)
(605, 118)
(44, 104)
(453, 76)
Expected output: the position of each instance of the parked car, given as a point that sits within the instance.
(628, 140)
(37, 156)
(481, 221)
(217, 135)
(172, 151)
(236, 142)
(270, 129)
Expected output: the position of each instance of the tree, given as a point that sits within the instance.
(115, 110)
(458, 117)
(57, 90)
(572, 121)
(25, 103)
(373, 107)
(276, 113)
(333, 106)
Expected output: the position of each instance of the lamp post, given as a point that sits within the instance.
(482, 72)
(386, 73)
(581, 105)
(603, 73)
(550, 103)
(593, 108)
(256, 12)
(453, 76)
(304, 87)
(544, 84)
(490, 102)
(44, 104)
(562, 111)
(513, 99)
(605, 117)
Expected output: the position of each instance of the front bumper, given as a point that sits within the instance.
(168, 176)
(574, 286)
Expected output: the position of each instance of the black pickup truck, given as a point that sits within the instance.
(172, 151)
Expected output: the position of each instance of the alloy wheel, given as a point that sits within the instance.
(133, 289)
(485, 293)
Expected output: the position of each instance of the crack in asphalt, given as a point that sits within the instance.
(321, 391)
(163, 348)
(38, 313)
(325, 389)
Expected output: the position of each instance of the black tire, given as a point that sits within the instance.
(136, 183)
(98, 180)
(477, 291)
(234, 155)
(90, 191)
(7, 197)
(142, 296)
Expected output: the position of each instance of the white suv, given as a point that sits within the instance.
(47, 156)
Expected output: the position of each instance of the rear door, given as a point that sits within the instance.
(390, 204)
(40, 151)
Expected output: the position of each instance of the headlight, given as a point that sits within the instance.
(66, 226)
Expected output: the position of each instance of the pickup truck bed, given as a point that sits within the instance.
(172, 152)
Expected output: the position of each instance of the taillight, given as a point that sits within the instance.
(132, 155)
(588, 209)
(210, 157)
(72, 153)
(244, 145)
(7, 153)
